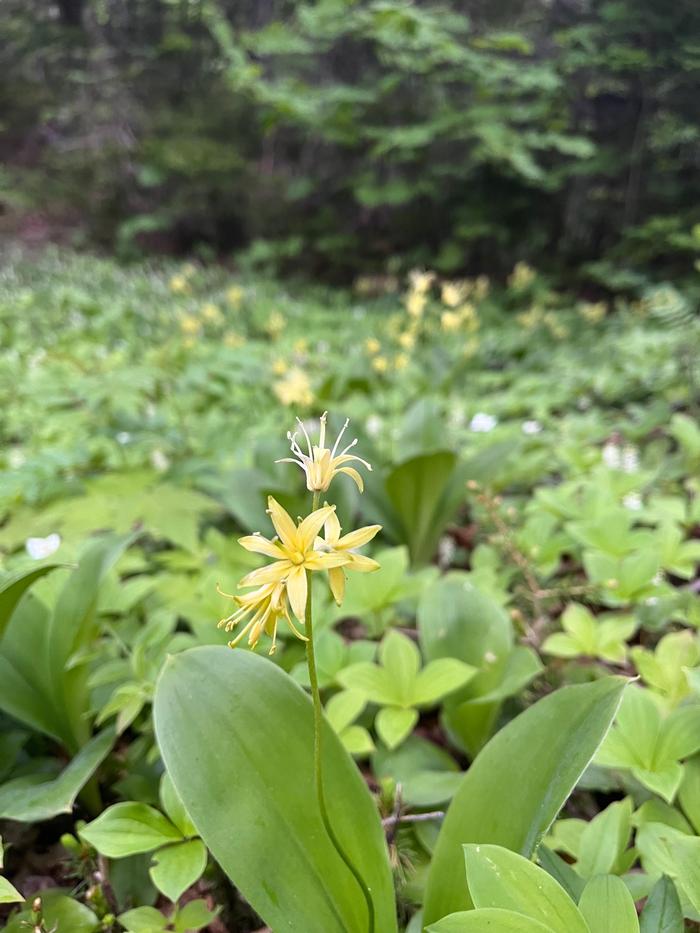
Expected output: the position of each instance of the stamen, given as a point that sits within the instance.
(337, 440)
(349, 447)
(221, 592)
(308, 439)
(322, 430)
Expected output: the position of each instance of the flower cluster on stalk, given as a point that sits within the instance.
(279, 590)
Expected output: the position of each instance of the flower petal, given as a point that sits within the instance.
(362, 564)
(297, 591)
(359, 537)
(353, 474)
(317, 561)
(336, 578)
(331, 529)
(270, 573)
(310, 527)
(260, 545)
(284, 524)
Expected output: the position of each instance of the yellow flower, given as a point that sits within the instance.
(521, 276)
(210, 312)
(593, 312)
(333, 543)
(372, 345)
(301, 345)
(279, 366)
(407, 340)
(265, 606)
(321, 464)
(234, 296)
(415, 303)
(450, 321)
(190, 325)
(293, 552)
(380, 364)
(420, 280)
(179, 285)
(233, 340)
(294, 388)
(401, 361)
(275, 324)
(482, 286)
(189, 269)
(452, 293)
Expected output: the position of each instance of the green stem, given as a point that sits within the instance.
(318, 756)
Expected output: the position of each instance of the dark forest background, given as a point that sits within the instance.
(333, 137)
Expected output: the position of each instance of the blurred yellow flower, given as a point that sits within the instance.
(470, 348)
(279, 367)
(521, 277)
(452, 293)
(420, 280)
(294, 388)
(531, 318)
(233, 340)
(380, 364)
(234, 296)
(189, 324)
(482, 286)
(450, 321)
(210, 312)
(401, 361)
(593, 311)
(415, 303)
(372, 345)
(275, 324)
(179, 285)
(407, 340)
(301, 345)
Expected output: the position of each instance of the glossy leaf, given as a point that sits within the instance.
(608, 907)
(552, 743)
(236, 735)
(662, 912)
(500, 878)
(61, 913)
(30, 800)
(13, 588)
(127, 828)
(490, 920)
(178, 867)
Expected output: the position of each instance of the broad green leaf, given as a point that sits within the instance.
(61, 913)
(439, 678)
(193, 916)
(371, 680)
(608, 907)
(249, 728)
(490, 920)
(177, 867)
(668, 851)
(13, 587)
(30, 800)
(9, 893)
(662, 912)
(562, 872)
(143, 920)
(129, 827)
(498, 877)
(419, 492)
(172, 805)
(400, 658)
(604, 839)
(394, 724)
(689, 792)
(552, 742)
(344, 707)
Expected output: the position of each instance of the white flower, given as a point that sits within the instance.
(612, 455)
(630, 459)
(16, 458)
(39, 548)
(446, 550)
(159, 460)
(531, 427)
(632, 501)
(483, 423)
(374, 425)
(123, 437)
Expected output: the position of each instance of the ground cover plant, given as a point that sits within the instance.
(464, 687)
